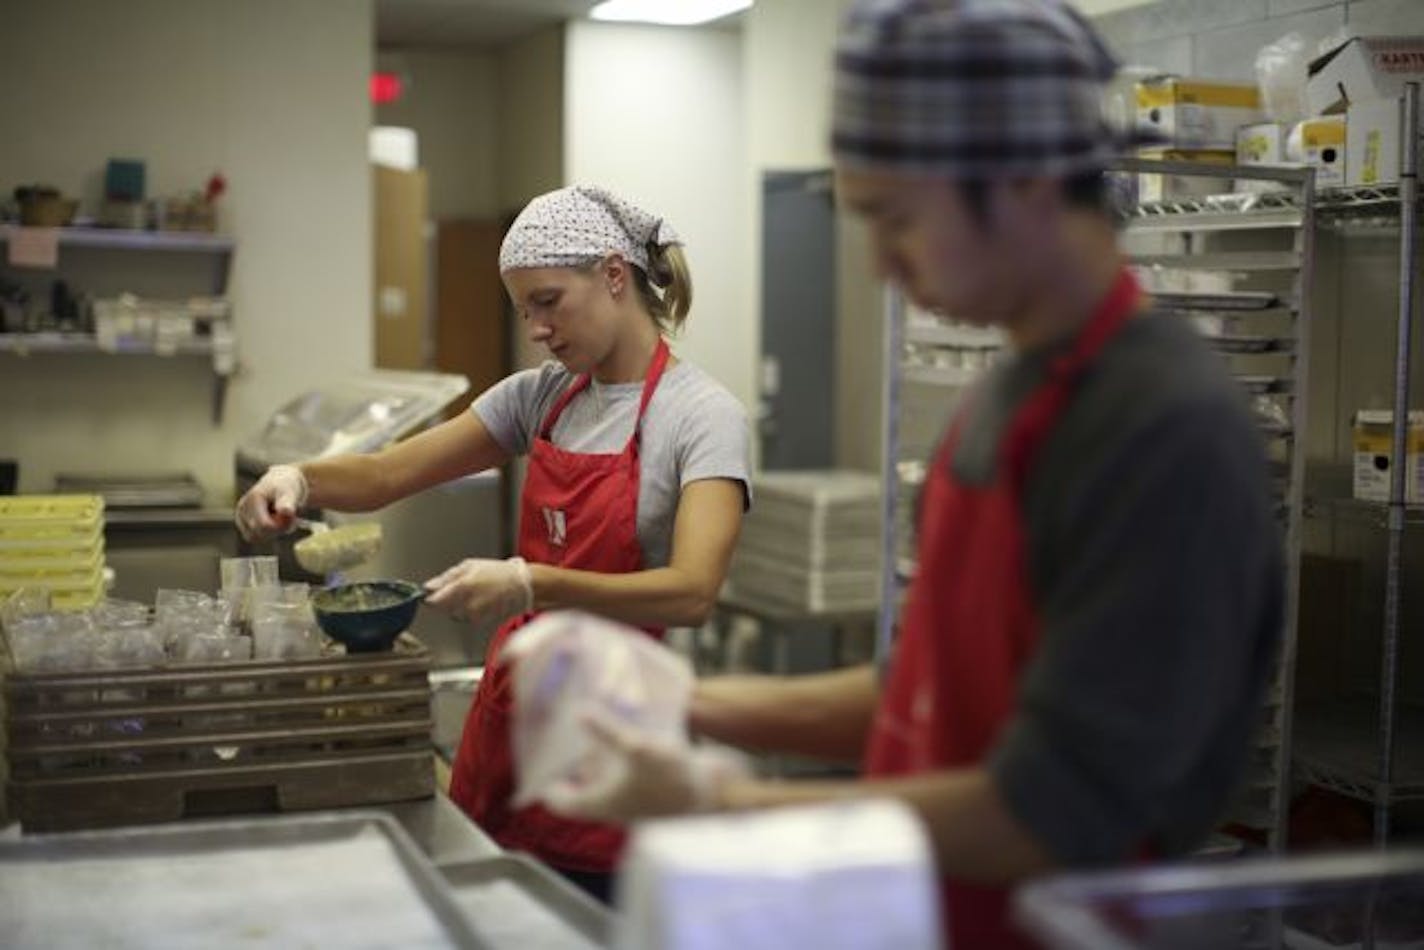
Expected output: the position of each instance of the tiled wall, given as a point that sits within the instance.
(1219, 38)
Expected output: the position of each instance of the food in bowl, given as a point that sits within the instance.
(353, 598)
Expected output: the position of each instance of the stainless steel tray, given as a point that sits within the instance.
(513, 901)
(353, 880)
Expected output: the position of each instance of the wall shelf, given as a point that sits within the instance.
(134, 240)
(220, 349)
(25, 344)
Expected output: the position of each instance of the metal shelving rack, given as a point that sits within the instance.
(1269, 362)
(1332, 751)
(1222, 235)
(929, 360)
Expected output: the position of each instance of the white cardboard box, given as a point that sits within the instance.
(1194, 113)
(1261, 144)
(1372, 142)
(1362, 68)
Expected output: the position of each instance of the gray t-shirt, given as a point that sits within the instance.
(1155, 564)
(694, 429)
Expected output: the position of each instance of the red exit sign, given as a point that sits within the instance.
(385, 88)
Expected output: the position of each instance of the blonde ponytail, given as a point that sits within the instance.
(669, 305)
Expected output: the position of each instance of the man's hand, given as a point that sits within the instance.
(648, 778)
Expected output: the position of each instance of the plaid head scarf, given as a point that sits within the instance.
(970, 89)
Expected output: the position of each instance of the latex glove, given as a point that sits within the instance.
(483, 591)
(270, 507)
(649, 778)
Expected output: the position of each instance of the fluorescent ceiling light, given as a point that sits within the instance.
(667, 12)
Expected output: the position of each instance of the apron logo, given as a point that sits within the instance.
(556, 524)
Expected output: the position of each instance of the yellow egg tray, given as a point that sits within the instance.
(29, 572)
(51, 518)
(63, 595)
(54, 552)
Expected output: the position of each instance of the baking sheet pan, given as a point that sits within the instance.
(512, 901)
(353, 880)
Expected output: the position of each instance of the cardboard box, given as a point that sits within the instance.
(1320, 144)
(1374, 442)
(1195, 113)
(1154, 187)
(1372, 142)
(1363, 68)
(1261, 144)
(402, 322)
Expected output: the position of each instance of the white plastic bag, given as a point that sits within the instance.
(568, 665)
(1280, 73)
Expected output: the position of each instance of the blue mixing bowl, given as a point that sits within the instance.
(366, 616)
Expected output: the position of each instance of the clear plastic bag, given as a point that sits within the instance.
(569, 665)
(1281, 69)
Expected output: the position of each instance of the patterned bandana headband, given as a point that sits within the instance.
(575, 225)
(970, 89)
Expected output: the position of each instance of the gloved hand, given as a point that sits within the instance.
(649, 778)
(483, 591)
(269, 507)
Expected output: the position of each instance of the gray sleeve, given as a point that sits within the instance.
(714, 442)
(1157, 632)
(510, 409)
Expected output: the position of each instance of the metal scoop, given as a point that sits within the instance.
(329, 550)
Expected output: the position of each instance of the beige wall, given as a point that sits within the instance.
(530, 138)
(273, 94)
(452, 103)
(656, 114)
(531, 118)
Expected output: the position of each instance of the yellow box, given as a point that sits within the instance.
(1320, 144)
(1374, 443)
(1197, 113)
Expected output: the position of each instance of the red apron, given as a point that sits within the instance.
(969, 625)
(578, 511)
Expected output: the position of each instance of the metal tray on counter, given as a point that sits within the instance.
(513, 901)
(352, 881)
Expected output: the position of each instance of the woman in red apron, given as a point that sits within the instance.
(597, 495)
(636, 482)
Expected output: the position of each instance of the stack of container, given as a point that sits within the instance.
(811, 543)
(54, 543)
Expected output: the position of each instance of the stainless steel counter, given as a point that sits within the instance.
(490, 899)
